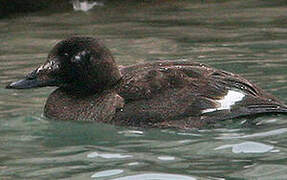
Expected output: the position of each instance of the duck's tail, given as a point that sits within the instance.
(267, 108)
(247, 111)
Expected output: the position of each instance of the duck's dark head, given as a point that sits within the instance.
(75, 64)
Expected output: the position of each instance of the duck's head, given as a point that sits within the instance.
(75, 64)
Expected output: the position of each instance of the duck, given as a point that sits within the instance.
(178, 94)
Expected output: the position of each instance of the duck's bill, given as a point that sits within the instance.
(31, 81)
(25, 84)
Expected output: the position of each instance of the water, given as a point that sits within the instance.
(245, 36)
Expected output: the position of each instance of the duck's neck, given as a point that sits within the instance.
(88, 89)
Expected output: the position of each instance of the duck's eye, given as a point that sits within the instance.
(77, 58)
(81, 57)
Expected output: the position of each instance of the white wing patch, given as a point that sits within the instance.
(227, 101)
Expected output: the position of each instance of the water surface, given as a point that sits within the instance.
(248, 37)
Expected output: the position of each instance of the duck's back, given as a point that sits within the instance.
(185, 94)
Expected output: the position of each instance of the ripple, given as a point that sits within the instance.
(166, 158)
(131, 133)
(133, 163)
(263, 134)
(108, 155)
(159, 176)
(248, 147)
(107, 173)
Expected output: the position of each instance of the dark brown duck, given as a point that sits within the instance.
(180, 94)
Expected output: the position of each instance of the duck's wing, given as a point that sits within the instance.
(241, 98)
(165, 93)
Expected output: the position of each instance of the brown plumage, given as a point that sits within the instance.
(180, 94)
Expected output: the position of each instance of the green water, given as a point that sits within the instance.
(248, 37)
